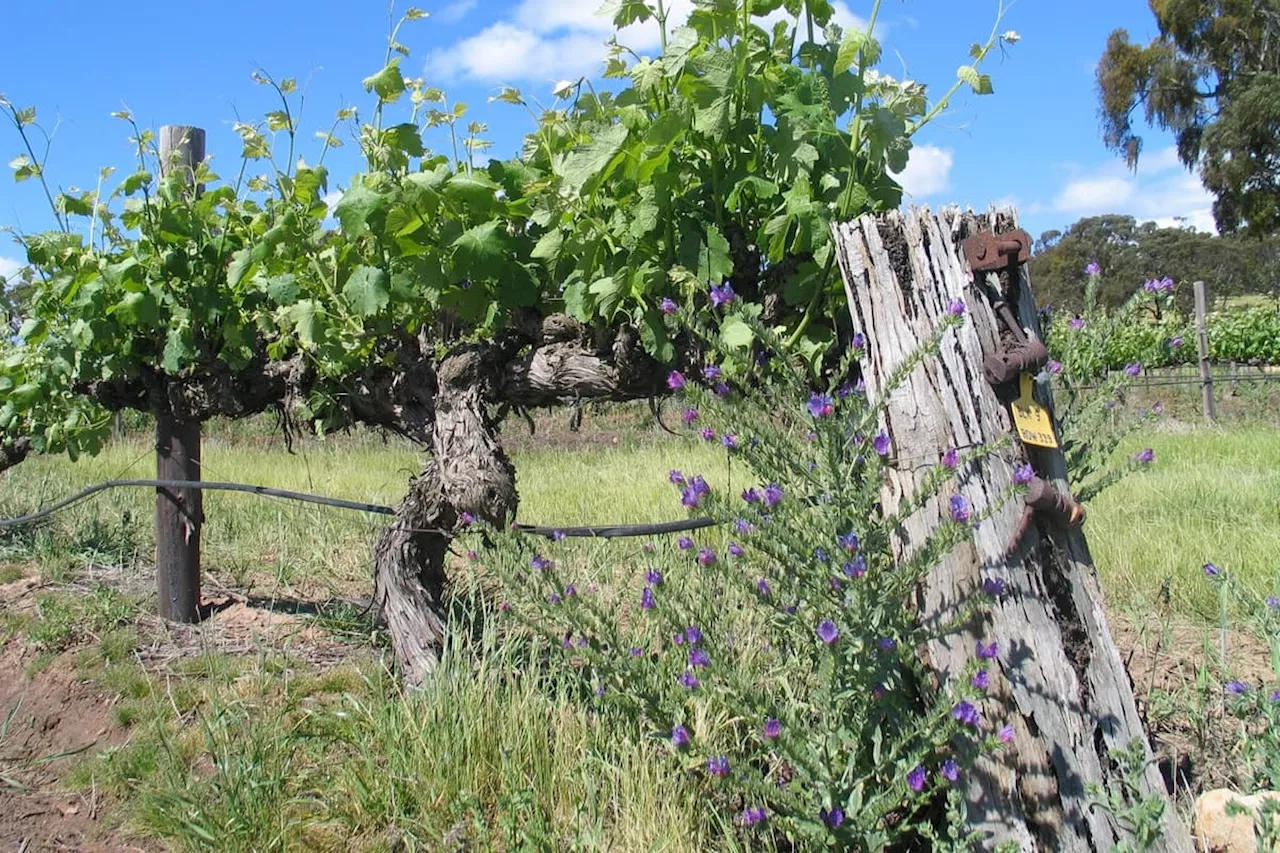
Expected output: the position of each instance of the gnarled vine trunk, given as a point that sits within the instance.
(1060, 679)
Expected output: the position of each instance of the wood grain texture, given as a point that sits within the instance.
(1059, 679)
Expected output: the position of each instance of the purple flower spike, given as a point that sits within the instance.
(821, 405)
(1273, 602)
(1146, 457)
(706, 556)
(1212, 571)
(708, 434)
(555, 598)
(882, 444)
(752, 816)
(730, 441)
(570, 591)
(1076, 323)
(849, 541)
(993, 587)
(669, 306)
(1093, 269)
(1055, 366)
(981, 680)
(690, 497)
(762, 587)
(505, 607)
(675, 380)
(888, 643)
(689, 416)
(736, 550)
(743, 526)
(951, 459)
(856, 568)
(967, 714)
(956, 308)
(676, 478)
(990, 652)
(950, 770)
(693, 634)
(637, 652)
(1237, 687)
(1275, 697)
(833, 818)
(718, 766)
(859, 341)
(711, 373)
(557, 536)
(772, 729)
(773, 495)
(1134, 369)
(679, 737)
(827, 631)
(959, 509)
(722, 295)
(647, 601)
(916, 779)
(752, 496)
(473, 556)
(1023, 474)
(468, 519)
(685, 543)
(1175, 342)
(689, 681)
(1005, 734)
(653, 577)
(698, 657)
(541, 563)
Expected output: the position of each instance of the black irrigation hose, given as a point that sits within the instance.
(612, 531)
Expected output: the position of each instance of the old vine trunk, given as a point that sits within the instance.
(1061, 682)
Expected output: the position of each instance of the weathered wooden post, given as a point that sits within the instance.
(179, 512)
(1202, 346)
(1061, 682)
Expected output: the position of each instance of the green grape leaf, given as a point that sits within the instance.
(368, 290)
(387, 83)
(360, 206)
(591, 160)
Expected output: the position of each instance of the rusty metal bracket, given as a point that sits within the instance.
(1006, 365)
(1043, 498)
(987, 252)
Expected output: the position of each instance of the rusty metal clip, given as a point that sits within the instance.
(987, 252)
(1006, 365)
(1042, 497)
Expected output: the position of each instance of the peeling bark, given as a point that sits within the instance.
(1060, 679)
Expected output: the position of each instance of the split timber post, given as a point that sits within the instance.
(1202, 349)
(179, 512)
(1060, 680)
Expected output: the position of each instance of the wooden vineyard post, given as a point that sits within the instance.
(1059, 680)
(179, 512)
(1202, 346)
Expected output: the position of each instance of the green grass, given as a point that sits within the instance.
(1211, 496)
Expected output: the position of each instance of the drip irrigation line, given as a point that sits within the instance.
(611, 531)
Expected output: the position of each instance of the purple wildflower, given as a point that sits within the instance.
(711, 373)
(833, 818)
(675, 380)
(950, 770)
(676, 478)
(967, 714)
(690, 497)
(1275, 697)
(1055, 366)
(772, 728)
(1005, 734)
(693, 634)
(1076, 323)
(849, 541)
(555, 598)
(730, 441)
(743, 526)
(916, 779)
(1133, 369)
(708, 434)
(888, 643)
(951, 459)
(690, 415)
(981, 680)
(844, 390)
(1212, 571)
(684, 543)
(1273, 602)
(736, 550)
(583, 642)
(827, 631)
(882, 444)
(699, 657)
(1174, 342)
(856, 568)
(721, 390)
(752, 496)
(669, 305)
(956, 308)
(636, 652)
(557, 536)
(773, 494)
(1093, 268)
(859, 341)
(1146, 456)
(1237, 687)
(762, 587)
(821, 556)
(1023, 474)
(647, 601)
(541, 563)
(993, 587)
(990, 652)
(505, 607)
(653, 577)
(473, 556)
(689, 680)
(959, 509)
(721, 295)
(679, 737)
(821, 405)
(468, 519)
(752, 816)
(706, 556)
(699, 485)
(718, 766)
(678, 639)
(570, 591)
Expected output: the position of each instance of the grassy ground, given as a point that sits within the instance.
(316, 748)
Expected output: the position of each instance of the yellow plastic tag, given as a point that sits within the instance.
(1032, 419)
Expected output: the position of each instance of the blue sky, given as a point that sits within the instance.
(1034, 143)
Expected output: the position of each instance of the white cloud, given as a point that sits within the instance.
(455, 12)
(9, 267)
(928, 171)
(1161, 191)
(553, 39)
(331, 200)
